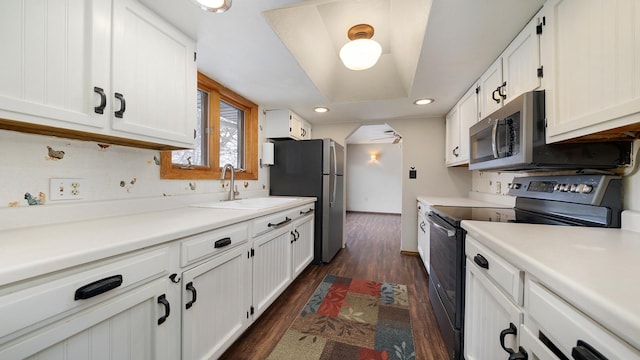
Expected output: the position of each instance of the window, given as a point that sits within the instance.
(226, 132)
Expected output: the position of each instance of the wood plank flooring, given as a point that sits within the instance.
(372, 252)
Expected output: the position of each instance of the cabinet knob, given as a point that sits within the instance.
(162, 299)
(103, 100)
(481, 261)
(123, 105)
(511, 330)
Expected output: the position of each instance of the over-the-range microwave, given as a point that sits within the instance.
(513, 138)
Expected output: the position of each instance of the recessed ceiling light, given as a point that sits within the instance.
(423, 101)
(320, 109)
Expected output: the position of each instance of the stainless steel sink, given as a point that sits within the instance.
(248, 204)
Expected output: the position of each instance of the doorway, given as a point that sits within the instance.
(374, 170)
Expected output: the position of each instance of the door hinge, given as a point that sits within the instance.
(540, 25)
(252, 310)
(477, 89)
(195, 56)
(251, 253)
(540, 72)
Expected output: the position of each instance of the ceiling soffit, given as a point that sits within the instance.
(314, 32)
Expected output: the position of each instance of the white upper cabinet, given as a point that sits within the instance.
(514, 72)
(154, 73)
(52, 57)
(76, 65)
(592, 66)
(459, 120)
(452, 145)
(284, 123)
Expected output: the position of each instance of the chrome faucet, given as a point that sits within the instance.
(232, 193)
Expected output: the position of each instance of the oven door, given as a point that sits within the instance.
(447, 267)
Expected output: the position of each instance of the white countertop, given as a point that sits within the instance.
(33, 251)
(595, 269)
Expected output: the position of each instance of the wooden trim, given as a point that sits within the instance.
(218, 92)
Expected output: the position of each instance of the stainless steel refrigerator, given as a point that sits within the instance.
(314, 168)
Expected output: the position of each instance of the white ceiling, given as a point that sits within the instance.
(284, 53)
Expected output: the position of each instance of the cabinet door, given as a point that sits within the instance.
(295, 127)
(125, 327)
(452, 147)
(271, 267)
(52, 57)
(154, 77)
(490, 85)
(520, 62)
(302, 244)
(591, 54)
(488, 313)
(215, 304)
(468, 115)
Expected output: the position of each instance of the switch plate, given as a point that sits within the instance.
(413, 174)
(66, 189)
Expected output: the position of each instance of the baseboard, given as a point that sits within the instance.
(410, 253)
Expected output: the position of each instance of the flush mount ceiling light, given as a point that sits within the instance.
(320, 109)
(361, 52)
(216, 6)
(423, 101)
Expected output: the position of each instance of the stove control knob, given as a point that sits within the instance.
(573, 188)
(558, 187)
(564, 187)
(515, 186)
(585, 189)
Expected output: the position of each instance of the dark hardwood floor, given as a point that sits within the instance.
(372, 252)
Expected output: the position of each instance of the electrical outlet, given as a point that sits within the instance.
(66, 189)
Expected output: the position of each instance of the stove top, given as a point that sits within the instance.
(576, 200)
(455, 214)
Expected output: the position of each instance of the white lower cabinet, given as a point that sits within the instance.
(121, 310)
(271, 267)
(553, 329)
(302, 242)
(491, 319)
(493, 312)
(216, 300)
(189, 299)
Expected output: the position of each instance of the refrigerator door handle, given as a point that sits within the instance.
(335, 159)
(332, 150)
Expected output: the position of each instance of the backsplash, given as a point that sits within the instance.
(107, 173)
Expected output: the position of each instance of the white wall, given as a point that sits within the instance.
(423, 149)
(374, 185)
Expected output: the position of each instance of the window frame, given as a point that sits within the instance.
(217, 92)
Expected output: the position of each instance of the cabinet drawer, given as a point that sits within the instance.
(46, 299)
(505, 275)
(211, 243)
(565, 325)
(301, 211)
(269, 222)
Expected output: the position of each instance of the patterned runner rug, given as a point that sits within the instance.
(350, 319)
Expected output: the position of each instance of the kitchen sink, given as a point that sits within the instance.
(248, 204)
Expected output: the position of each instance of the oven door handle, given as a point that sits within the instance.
(449, 232)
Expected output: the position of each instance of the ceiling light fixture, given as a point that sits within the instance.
(321, 109)
(216, 6)
(361, 52)
(423, 101)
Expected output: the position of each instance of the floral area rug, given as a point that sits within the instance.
(350, 319)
